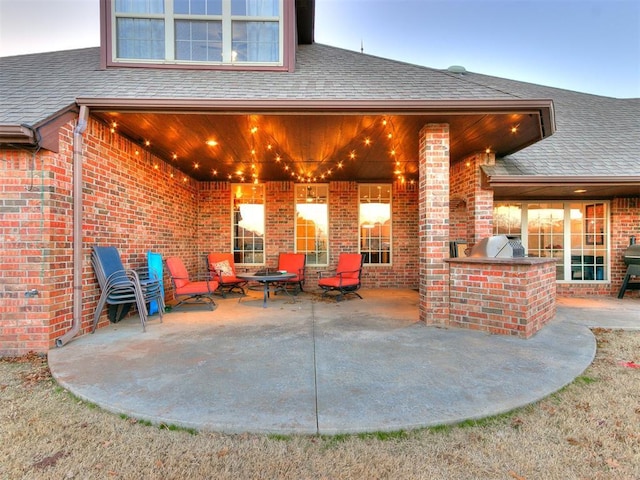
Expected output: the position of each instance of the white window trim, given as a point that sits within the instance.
(169, 21)
(383, 185)
(295, 221)
(524, 236)
(264, 222)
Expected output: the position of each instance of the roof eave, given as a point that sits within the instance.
(18, 134)
(201, 104)
(543, 108)
(534, 180)
(548, 187)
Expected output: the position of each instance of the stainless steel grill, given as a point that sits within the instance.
(498, 246)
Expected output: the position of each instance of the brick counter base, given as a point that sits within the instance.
(506, 296)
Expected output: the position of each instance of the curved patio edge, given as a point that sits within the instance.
(314, 367)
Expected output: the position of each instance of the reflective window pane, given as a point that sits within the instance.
(140, 38)
(312, 223)
(375, 223)
(255, 42)
(197, 7)
(199, 41)
(255, 8)
(139, 6)
(248, 223)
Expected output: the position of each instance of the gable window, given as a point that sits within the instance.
(248, 223)
(375, 223)
(312, 223)
(574, 233)
(222, 32)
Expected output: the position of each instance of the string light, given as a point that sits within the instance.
(382, 128)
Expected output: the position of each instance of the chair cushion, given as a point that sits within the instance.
(334, 282)
(178, 271)
(197, 288)
(291, 262)
(224, 268)
(350, 263)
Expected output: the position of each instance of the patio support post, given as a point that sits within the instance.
(76, 321)
(433, 223)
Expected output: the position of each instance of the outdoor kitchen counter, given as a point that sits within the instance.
(506, 296)
(507, 261)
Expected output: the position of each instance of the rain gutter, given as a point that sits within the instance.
(17, 134)
(533, 180)
(541, 107)
(81, 126)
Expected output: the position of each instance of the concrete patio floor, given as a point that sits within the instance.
(320, 367)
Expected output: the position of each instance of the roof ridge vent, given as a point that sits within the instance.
(457, 69)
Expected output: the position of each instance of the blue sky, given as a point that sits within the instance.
(582, 45)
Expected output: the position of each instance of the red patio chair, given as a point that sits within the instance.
(199, 291)
(223, 269)
(292, 263)
(346, 277)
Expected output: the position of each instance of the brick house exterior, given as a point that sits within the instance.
(139, 200)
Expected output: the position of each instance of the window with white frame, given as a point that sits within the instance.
(375, 223)
(198, 31)
(576, 234)
(312, 223)
(248, 223)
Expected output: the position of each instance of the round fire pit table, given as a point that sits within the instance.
(266, 279)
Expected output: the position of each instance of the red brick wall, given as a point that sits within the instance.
(137, 202)
(462, 187)
(279, 218)
(214, 225)
(127, 203)
(472, 212)
(214, 218)
(25, 250)
(506, 297)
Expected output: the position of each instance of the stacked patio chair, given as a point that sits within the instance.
(120, 287)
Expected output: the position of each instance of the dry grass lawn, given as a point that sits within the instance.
(589, 430)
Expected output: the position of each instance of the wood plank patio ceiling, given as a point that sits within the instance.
(313, 147)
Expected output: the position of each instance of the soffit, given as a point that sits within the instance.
(587, 187)
(316, 144)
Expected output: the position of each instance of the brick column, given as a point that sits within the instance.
(433, 223)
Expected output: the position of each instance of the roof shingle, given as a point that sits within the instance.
(595, 135)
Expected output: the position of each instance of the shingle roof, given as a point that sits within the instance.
(33, 87)
(595, 135)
